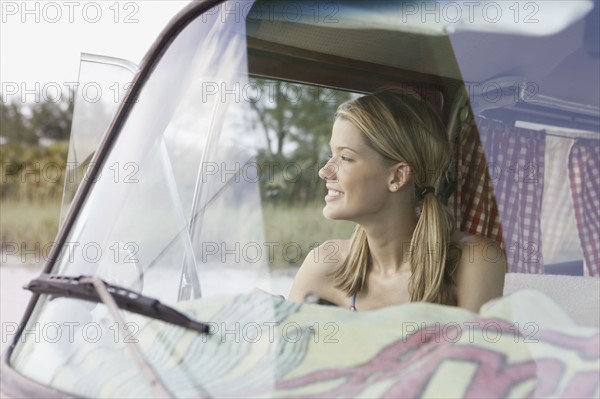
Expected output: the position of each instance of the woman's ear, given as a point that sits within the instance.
(400, 176)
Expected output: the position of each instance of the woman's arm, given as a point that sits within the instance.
(304, 280)
(480, 274)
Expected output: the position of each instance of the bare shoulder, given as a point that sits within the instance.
(480, 270)
(331, 253)
(315, 274)
(479, 250)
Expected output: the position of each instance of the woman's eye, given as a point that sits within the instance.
(342, 157)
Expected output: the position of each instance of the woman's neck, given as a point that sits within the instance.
(390, 243)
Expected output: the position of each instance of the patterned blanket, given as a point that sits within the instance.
(522, 345)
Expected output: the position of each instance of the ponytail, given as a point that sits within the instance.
(351, 276)
(431, 278)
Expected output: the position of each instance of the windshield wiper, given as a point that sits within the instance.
(82, 287)
(92, 288)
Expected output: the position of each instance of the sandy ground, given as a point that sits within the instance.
(13, 298)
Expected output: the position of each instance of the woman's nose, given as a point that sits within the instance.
(327, 172)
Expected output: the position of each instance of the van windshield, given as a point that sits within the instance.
(209, 186)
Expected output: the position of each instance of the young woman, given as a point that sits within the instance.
(390, 154)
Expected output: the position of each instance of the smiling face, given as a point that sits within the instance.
(356, 176)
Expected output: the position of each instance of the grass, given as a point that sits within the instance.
(30, 212)
(28, 224)
(302, 225)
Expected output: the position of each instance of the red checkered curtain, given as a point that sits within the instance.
(516, 166)
(473, 204)
(584, 175)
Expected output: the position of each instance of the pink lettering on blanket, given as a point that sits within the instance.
(536, 365)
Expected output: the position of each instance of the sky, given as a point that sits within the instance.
(41, 41)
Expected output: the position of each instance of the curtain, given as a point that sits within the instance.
(515, 159)
(559, 229)
(584, 176)
(473, 205)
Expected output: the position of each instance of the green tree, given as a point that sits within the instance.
(296, 120)
(14, 126)
(52, 120)
(26, 124)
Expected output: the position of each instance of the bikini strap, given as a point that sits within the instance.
(353, 306)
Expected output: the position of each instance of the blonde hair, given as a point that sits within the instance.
(401, 127)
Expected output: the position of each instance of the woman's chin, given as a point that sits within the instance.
(330, 213)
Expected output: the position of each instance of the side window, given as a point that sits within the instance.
(296, 120)
(102, 86)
